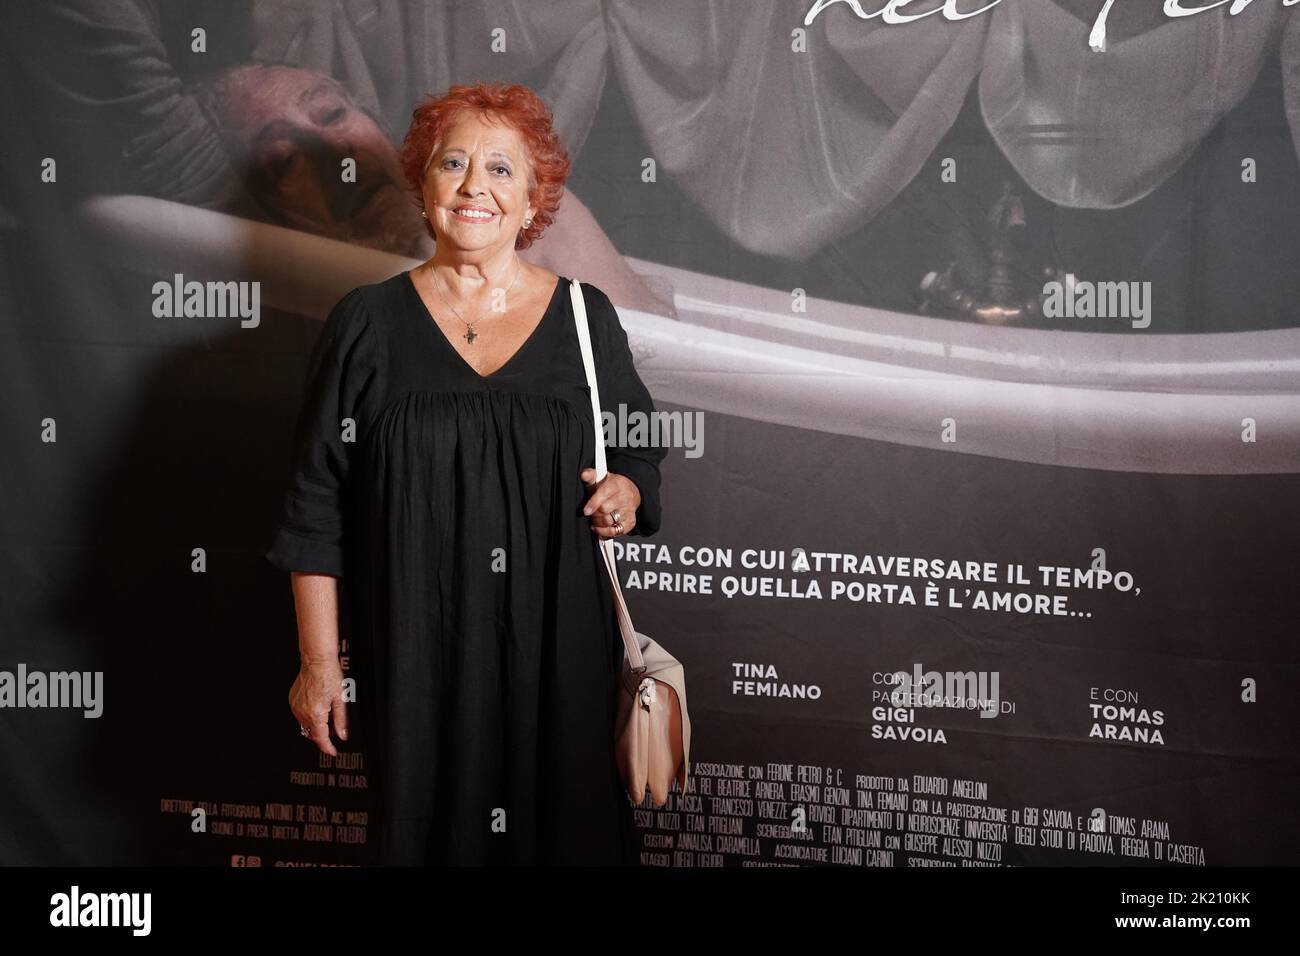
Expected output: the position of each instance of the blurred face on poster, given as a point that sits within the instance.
(314, 160)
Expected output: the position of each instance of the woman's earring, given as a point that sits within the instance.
(424, 214)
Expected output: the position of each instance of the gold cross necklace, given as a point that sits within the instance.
(470, 334)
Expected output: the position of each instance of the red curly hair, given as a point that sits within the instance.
(515, 105)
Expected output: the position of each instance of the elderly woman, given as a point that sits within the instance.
(442, 473)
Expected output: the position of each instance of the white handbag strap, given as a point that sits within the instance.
(630, 643)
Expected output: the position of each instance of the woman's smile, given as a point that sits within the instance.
(473, 214)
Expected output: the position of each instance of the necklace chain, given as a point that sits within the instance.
(470, 334)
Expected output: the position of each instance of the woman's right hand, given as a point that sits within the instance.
(316, 693)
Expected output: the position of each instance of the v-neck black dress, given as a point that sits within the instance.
(449, 505)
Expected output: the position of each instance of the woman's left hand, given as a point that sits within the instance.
(614, 494)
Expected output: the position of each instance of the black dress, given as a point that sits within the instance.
(449, 505)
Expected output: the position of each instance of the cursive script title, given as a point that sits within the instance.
(892, 12)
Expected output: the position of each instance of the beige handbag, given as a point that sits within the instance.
(652, 727)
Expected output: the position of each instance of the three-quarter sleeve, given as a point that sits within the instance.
(311, 533)
(623, 394)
